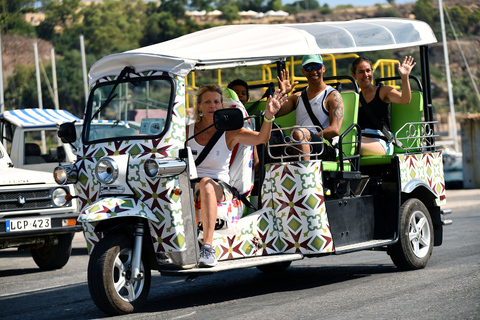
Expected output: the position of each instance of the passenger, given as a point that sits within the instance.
(213, 171)
(377, 137)
(241, 89)
(326, 104)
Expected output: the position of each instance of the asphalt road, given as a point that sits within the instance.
(362, 285)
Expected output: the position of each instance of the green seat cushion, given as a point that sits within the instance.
(335, 166)
(374, 160)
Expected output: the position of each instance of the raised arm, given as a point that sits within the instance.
(405, 96)
(284, 82)
(253, 138)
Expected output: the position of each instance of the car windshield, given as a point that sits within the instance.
(137, 108)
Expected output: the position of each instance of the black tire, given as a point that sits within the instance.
(52, 257)
(109, 257)
(415, 244)
(275, 267)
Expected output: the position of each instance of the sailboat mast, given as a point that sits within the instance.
(449, 81)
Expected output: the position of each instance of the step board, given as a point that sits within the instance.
(235, 264)
(363, 245)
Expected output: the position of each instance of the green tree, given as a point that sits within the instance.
(113, 26)
(200, 5)
(229, 10)
(424, 10)
(274, 5)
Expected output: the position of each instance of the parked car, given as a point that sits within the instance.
(35, 213)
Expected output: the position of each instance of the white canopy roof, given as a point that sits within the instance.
(219, 47)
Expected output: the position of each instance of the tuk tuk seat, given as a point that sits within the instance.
(401, 114)
(349, 132)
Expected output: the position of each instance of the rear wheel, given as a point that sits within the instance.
(415, 244)
(111, 286)
(51, 257)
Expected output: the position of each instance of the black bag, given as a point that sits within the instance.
(276, 137)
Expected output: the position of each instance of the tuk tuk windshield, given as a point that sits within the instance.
(137, 108)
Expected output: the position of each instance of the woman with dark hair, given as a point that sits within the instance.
(213, 172)
(378, 99)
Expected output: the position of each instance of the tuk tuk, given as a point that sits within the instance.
(133, 181)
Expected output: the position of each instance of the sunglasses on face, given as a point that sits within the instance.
(313, 66)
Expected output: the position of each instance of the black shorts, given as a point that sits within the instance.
(329, 152)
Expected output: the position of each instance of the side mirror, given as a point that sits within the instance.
(67, 133)
(228, 119)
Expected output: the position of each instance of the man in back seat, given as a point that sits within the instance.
(374, 115)
(326, 105)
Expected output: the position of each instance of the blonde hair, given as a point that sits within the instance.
(201, 90)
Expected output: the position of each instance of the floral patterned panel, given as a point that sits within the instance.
(427, 167)
(167, 232)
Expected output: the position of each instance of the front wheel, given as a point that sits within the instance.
(415, 244)
(111, 286)
(51, 257)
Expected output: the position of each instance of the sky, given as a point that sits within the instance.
(355, 3)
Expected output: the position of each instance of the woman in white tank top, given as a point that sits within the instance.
(213, 171)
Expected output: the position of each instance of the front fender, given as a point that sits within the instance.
(116, 207)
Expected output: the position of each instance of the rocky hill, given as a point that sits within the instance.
(19, 50)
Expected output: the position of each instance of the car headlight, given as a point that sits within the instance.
(65, 174)
(164, 167)
(106, 170)
(58, 196)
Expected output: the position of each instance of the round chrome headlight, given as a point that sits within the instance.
(151, 168)
(58, 196)
(65, 174)
(60, 175)
(106, 170)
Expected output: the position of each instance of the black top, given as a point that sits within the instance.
(379, 108)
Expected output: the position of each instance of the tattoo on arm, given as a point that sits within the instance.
(338, 107)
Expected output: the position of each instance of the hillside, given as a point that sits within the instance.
(19, 50)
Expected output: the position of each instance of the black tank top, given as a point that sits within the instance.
(379, 108)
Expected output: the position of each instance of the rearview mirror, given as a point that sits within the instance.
(228, 119)
(67, 132)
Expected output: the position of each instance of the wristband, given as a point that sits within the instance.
(268, 120)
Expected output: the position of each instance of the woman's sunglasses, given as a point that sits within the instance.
(313, 66)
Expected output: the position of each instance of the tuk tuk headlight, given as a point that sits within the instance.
(65, 174)
(151, 168)
(58, 197)
(106, 170)
(164, 167)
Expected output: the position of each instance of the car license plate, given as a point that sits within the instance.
(28, 224)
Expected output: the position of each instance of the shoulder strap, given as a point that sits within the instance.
(213, 140)
(308, 107)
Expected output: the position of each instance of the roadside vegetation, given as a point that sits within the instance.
(115, 26)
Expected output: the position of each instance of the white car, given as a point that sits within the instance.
(34, 211)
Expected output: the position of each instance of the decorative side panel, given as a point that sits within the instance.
(295, 192)
(427, 167)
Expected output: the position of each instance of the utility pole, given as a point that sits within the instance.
(2, 100)
(54, 75)
(449, 81)
(84, 68)
(39, 93)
